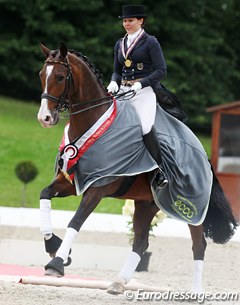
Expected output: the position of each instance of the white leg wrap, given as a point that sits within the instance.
(129, 267)
(45, 217)
(197, 276)
(65, 247)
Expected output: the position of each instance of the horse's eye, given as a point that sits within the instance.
(60, 78)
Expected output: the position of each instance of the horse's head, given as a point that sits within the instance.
(55, 78)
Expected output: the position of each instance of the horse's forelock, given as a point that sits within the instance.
(52, 55)
(55, 55)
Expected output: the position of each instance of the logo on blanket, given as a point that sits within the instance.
(185, 208)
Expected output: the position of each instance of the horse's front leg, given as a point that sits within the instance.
(89, 201)
(198, 247)
(143, 215)
(60, 187)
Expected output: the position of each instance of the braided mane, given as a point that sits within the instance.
(95, 71)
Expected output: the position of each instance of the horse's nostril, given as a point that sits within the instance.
(47, 118)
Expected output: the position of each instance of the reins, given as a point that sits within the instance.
(129, 94)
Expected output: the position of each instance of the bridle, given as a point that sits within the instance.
(63, 101)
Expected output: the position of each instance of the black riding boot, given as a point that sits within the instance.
(151, 141)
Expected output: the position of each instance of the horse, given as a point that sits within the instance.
(71, 82)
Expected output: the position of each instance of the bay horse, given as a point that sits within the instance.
(69, 81)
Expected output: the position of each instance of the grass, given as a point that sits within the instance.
(22, 138)
(206, 142)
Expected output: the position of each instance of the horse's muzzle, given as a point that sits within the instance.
(48, 120)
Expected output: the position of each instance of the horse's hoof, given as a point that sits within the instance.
(55, 264)
(115, 288)
(52, 272)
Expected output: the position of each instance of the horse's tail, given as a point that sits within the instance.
(219, 224)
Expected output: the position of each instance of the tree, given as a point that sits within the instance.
(201, 65)
(200, 42)
(26, 171)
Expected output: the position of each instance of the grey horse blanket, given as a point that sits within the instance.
(120, 151)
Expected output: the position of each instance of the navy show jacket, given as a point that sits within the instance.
(148, 63)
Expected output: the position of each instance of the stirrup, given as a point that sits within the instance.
(161, 179)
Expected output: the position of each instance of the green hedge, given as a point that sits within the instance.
(200, 41)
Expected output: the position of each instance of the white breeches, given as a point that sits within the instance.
(145, 104)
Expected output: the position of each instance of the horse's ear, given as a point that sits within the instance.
(63, 49)
(44, 49)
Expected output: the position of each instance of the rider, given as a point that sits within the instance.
(138, 64)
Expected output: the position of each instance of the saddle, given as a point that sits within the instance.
(169, 102)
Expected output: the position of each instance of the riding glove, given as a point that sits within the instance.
(136, 87)
(113, 87)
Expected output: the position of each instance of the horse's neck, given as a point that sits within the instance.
(81, 123)
(88, 89)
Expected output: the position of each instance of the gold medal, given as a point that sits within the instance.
(128, 63)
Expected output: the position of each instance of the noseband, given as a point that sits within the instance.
(62, 101)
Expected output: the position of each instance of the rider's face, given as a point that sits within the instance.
(131, 25)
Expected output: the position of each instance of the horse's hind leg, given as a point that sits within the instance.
(198, 247)
(143, 215)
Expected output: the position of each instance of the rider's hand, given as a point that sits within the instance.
(136, 87)
(113, 87)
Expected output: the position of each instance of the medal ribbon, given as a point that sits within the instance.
(132, 45)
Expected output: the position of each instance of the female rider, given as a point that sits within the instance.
(138, 64)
